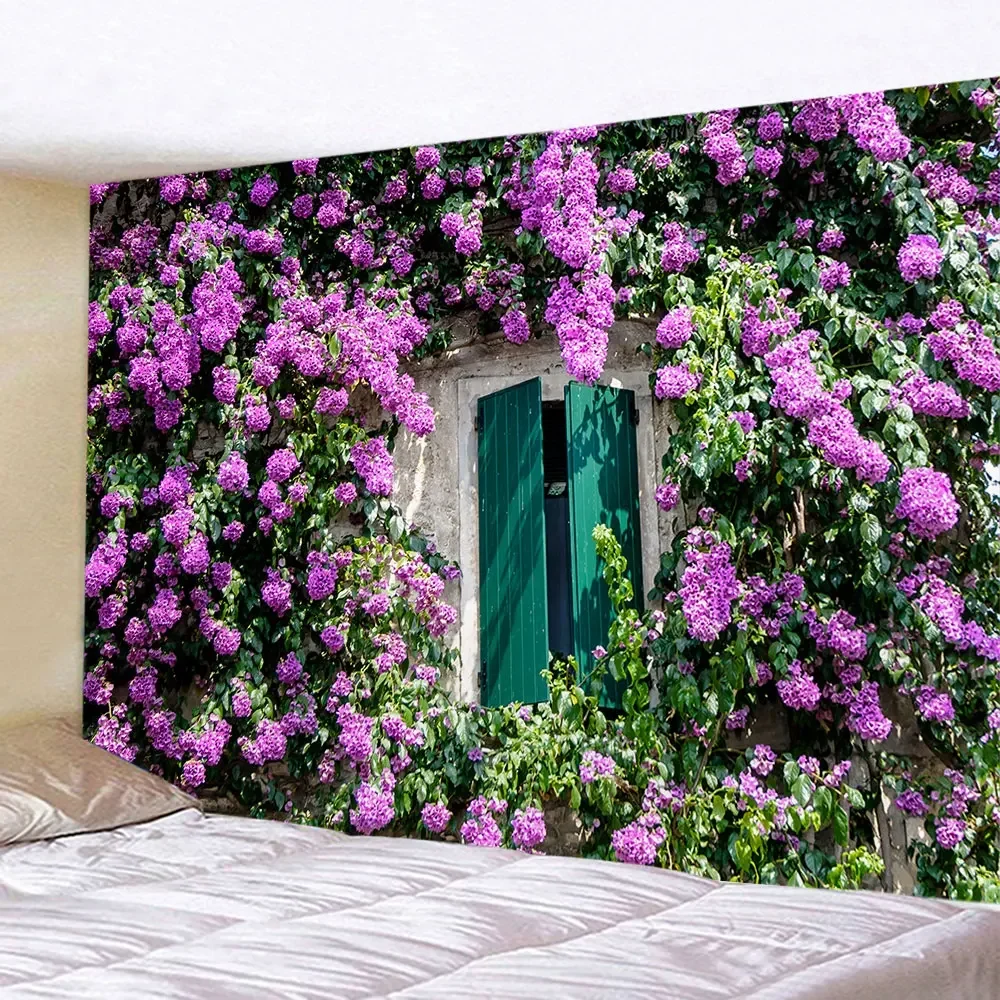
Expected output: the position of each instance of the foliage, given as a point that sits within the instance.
(824, 276)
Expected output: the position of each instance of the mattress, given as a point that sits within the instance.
(220, 907)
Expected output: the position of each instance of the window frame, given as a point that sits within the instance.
(469, 389)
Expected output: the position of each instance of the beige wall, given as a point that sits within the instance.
(43, 447)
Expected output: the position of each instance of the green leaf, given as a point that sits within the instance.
(840, 825)
(871, 529)
(872, 402)
(823, 800)
(854, 796)
(959, 259)
(802, 789)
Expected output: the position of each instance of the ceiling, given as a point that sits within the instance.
(109, 90)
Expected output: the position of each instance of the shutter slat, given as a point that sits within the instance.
(513, 617)
(603, 489)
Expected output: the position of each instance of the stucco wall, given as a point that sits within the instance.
(436, 477)
(43, 396)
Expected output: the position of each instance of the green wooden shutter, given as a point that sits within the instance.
(603, 489)
(513, 608)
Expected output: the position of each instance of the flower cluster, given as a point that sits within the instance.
(708, 585)
(481, 829)
(927, 502)
(798, 391)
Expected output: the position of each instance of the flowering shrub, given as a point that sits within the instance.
(823, 282)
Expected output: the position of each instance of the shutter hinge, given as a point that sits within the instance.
(482, 681)
(475, 424)
(635, 414)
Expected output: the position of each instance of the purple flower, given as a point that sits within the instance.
(302, 206)
(763, 759)
(174, 486)
(865, 714)
(798, 690)
(668, 495)
(678, 250)
(933, 705)
(515, 326)
(468, 241)
(451, 223)
(373, 462)
(426, 158)
(480, 828)
(528, 828)
(375, 808)
(225, 381)
(173, 189)
(635, 844)
(195, 556)
(258, 416)
(233, 475)
(322, 582)
(708, 585)
(949, 833)
(431, 188)
(594, 765)
(263, 190)
(770, 126)
(676, 328)
(281, 465)
(767, 160)
(834, 274)
(333, 638)
(177, 525)
(621, 180)
(276, 593)
(737, 719)
(111, 503)
(936, 399)
(435, 817)
(831, 239)
(927, 502)
(194, 773)
(289, 669)
(268, 745)
(233, 531)
(919, 257)
(226, 641)
(675, 382)
(912, 803)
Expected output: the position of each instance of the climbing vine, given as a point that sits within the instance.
(263, 624)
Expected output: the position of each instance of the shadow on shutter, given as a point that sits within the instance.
(513, 617)
(603, 489)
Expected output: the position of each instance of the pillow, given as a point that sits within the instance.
(53, 782)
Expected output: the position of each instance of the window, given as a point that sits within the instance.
(548, 473)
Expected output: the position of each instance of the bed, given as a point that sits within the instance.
(169, 902)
